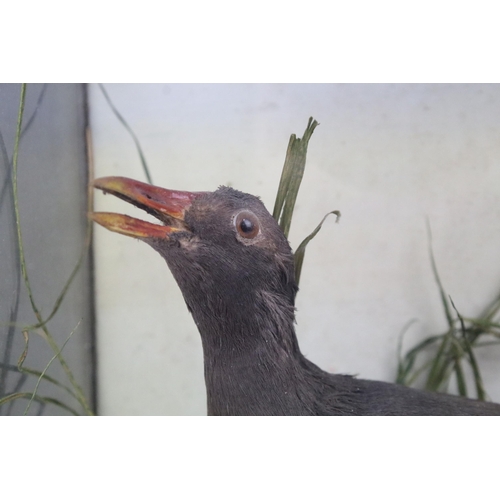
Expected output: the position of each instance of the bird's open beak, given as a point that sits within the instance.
(166, 205)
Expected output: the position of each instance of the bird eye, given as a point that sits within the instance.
(247, 225)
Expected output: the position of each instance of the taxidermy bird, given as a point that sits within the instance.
(235, 269)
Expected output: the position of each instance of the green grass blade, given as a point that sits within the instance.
(492, 310)
(50, 340)
(482, 323)
(439, 366)
(455, 346)
(46, 400)
(38, 373)
(404, 365)
(461, 384)
(291, 177)
(43, 375)
(130, 131)
(40, 378)
(478, 379)
(488, 343)
(408, 361)
(421, 346)
(438, 280)
(284, 181)
(74, 272)
(25, 351)
(416, 373)
(301, 250)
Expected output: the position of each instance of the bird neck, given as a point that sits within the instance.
(243, 324)
(251, 354)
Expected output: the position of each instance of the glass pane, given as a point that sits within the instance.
(52, 194)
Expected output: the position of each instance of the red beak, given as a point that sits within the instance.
(166, 205)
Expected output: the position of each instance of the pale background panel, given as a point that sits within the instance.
(387, 156)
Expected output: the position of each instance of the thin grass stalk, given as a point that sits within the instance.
(8, 184)
(27, 395)
(491, 310)
(66, 286)
(403, 362)
(487, 343)
(438, 280)
(484, 324)
(29, 371)
(439, 365)
(456, 345)
(406, 364)
(47, 378)
(478, 380)
(457, 354)
(40, 378)
(130, 131)
(417, 373)
(299, 254)
(461, 383)
(78, 390)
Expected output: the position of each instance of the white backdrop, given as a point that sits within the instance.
(386, 155)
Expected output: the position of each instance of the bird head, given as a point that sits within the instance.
(224, 248)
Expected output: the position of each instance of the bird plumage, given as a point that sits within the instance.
(234, 267)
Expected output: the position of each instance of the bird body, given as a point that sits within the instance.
(235, 269)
